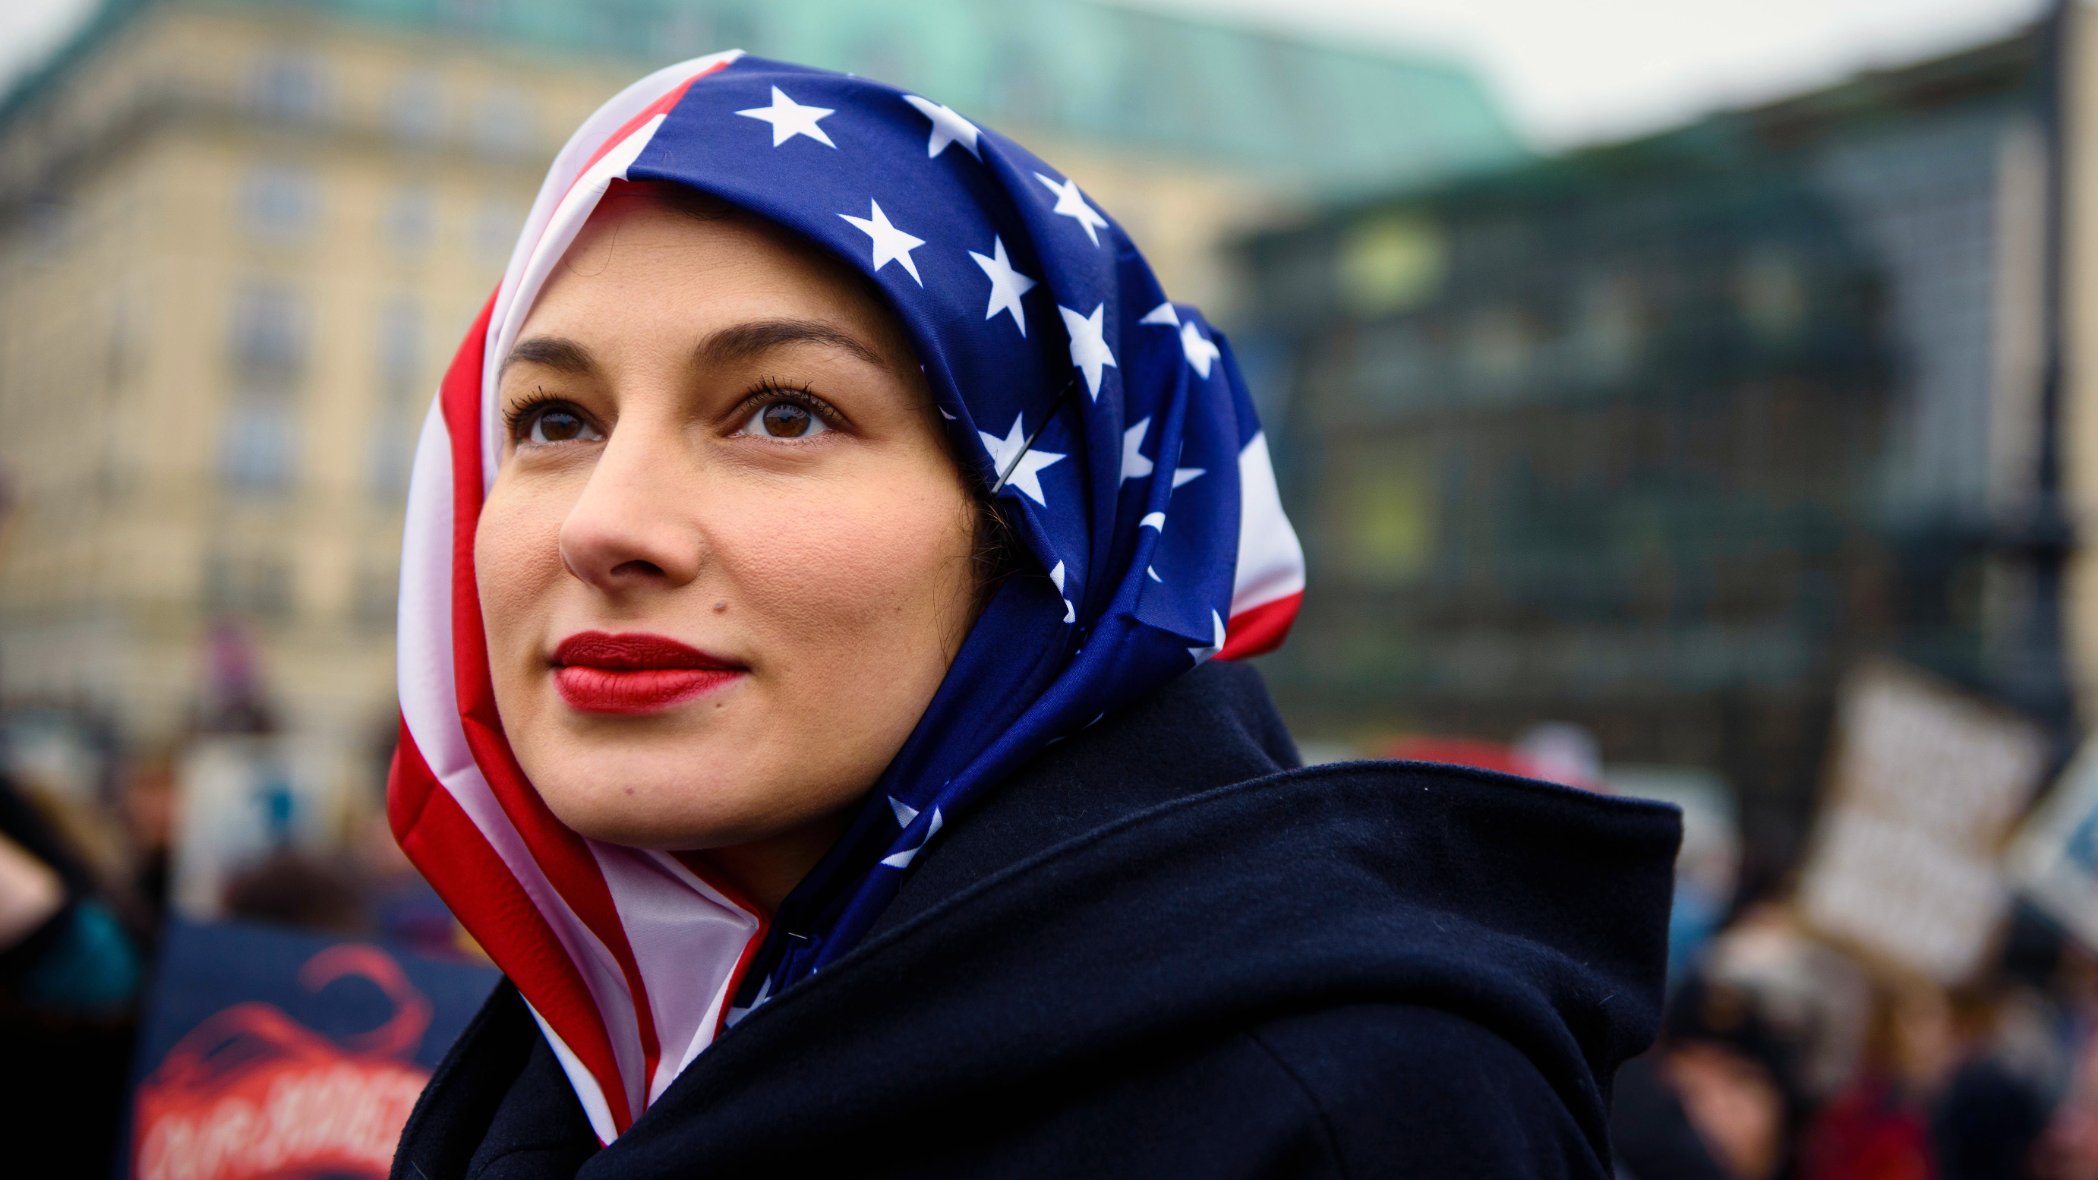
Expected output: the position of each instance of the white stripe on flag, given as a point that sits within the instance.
(430, 707)
(1270, 560)
(515, 301)
(682, 932)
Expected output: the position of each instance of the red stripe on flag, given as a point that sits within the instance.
(1261, 628)
(560, 853)
(446, 847)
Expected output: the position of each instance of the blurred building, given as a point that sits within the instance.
(238, 241)
(1658, 438)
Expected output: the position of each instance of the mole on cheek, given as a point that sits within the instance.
(719, 607)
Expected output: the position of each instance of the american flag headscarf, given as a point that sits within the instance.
(1109, 423)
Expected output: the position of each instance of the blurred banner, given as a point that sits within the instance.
(1926, 783)
(2055, 857)
(266, 1052)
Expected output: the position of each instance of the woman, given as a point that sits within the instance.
(813, 568)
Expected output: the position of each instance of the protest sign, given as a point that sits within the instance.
(266, 1052)
(1924, 786)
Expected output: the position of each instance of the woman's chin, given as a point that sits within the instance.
(623, 799)
(636, 825)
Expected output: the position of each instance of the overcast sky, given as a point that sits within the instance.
(1569, 71)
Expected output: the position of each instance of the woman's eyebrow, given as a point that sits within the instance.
(744, 341)
(555, 352)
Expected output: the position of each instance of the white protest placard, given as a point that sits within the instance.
(1924, 786)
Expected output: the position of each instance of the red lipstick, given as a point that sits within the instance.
(631, 674)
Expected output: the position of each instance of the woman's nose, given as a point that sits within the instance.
(628, 529)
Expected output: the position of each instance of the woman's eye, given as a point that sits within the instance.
(556, 425)
(785, 419)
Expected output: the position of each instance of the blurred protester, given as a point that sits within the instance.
(1989, 1114)
(293, 887)
(2068, 1149)
(362, 886)
(146, 801)
(1817, 996)
(1789, 1057)
(235, 698)
(1735, 1074)
(1651, 1136)
(69, 974)
(1877, 1127)
(63, 949)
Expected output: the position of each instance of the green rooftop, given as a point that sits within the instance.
(1336, 118)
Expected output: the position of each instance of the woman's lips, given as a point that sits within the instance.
(597, 672)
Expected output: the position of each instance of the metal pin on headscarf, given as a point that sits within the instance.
(1056, 407)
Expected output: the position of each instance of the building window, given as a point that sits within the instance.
(388, 459)
(1496, 344)
(256, 445)
(278, 203)
(253, 586)
(400, 346)
(375, 597)
(503, 123)
(1608, 327)
(289, 87)
(127, 339)
(495, 229)
(1387, 265)
(113, 476)
(1772, 292)
(390, 446)
(410, 220)
(50, 221)
(268, 331)
(415, 109)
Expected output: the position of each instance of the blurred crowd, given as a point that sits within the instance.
(87, 881)
(1786, 1057)
(1783, 1055)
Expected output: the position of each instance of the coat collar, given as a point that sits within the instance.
(1166, 875)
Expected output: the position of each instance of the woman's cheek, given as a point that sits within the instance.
(517, 561)
(862, 570)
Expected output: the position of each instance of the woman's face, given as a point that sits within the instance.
(726, 560)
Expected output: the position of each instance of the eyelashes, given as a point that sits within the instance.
(770, 390)
(523, 417)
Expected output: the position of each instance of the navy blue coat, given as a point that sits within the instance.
(1163, 950)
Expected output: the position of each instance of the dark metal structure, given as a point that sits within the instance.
(1659, 438)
